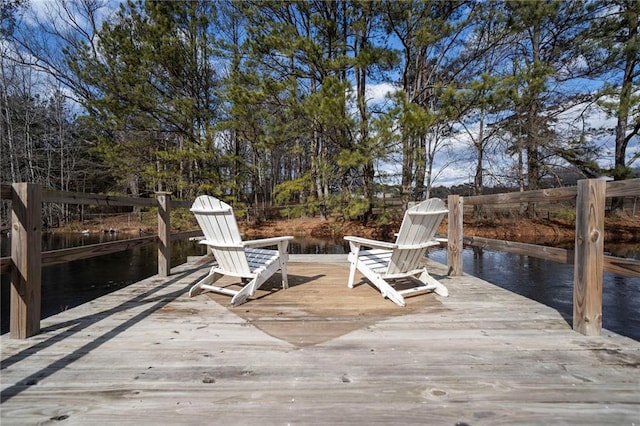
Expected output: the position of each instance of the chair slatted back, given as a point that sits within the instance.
(218, 223)
(419, 226)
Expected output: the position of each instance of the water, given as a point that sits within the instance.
(67, 285)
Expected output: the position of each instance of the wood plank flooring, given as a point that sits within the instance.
(317, 353)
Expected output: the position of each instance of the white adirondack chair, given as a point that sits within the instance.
(383, 262)
(246, 260)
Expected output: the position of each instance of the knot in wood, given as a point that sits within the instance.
(595, 235)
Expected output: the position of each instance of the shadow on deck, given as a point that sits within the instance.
(317, 353)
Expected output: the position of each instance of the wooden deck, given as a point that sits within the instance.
(318, 353)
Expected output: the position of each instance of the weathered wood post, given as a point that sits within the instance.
(455, 232)
(589, 257)
(164, 231)
(26, 254)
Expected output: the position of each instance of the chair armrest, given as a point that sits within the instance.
(264, 242)
(431, 243)
(371, 243)
(217, 244)
(428, 212)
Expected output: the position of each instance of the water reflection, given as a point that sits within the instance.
(317, 246)
(550, 283)
(54, 241)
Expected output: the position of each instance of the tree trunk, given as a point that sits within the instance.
(421, 164)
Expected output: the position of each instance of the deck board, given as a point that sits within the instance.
(317, 353)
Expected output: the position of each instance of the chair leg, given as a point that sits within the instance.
(283, 271)
(384, 287)
(438, 287)
(353, 258)
(283, 256)
(208, 280)
(352, 274)
(243, 294)
(388, 291)
(248, 290)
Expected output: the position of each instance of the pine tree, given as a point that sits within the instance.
(430, 33)
(152, 86)
(614, 53)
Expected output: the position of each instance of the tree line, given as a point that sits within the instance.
(269, 103)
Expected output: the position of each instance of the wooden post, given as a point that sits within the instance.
(455, 232)
(589, 257)
(26, 254)
(164, 230)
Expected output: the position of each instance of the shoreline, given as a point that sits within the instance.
(536, 231)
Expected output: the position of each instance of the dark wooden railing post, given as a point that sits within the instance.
(455, 232)
(26, 253)
(589, 257)
(164, 231)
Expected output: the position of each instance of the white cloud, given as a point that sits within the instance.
(68, 17)
(588, 120)
(376, 93)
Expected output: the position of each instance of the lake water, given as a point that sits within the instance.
(67, 285)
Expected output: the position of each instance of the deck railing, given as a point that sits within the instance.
(27, 259)
(587, 256)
